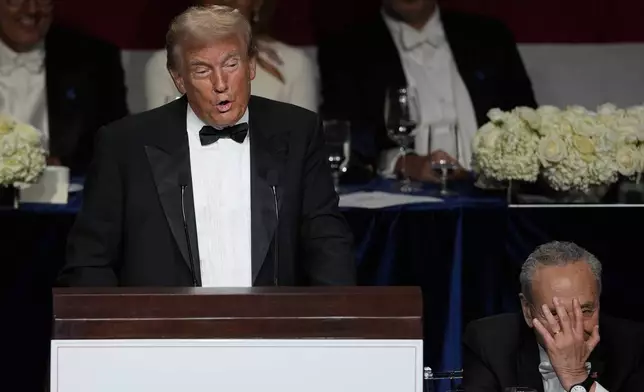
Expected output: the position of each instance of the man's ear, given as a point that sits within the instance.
(178, 81)
(252, 64)
(527, 311)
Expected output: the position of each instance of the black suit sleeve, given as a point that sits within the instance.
(635, 380)
(477, 377)
(111, 98)
(325, 236)
(336, 79)
(94, 242)
(518, 87)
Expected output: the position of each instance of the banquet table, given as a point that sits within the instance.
(465, 252)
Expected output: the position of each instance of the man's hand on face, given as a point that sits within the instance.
(564, 341)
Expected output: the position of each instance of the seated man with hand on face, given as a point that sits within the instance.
(554, 346)
(216, 189)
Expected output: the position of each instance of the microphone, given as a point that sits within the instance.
(184, 180)
(272, 177)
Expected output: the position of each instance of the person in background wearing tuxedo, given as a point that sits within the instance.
(62, 82)
(216, 189)
(461, 66)
(554, 346)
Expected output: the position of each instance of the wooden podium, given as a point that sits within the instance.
(239, 340)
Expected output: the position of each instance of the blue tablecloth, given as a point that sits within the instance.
(465, 254)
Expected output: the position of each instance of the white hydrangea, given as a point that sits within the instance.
(505, 148)
(22, 156)
(572, 149)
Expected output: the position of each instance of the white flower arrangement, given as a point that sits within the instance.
(572, 149)
(22, 156)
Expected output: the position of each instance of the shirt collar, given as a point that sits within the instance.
(194, 123)
(32, 60)
(409, 38)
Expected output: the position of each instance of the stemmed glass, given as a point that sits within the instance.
(402, 116)
(337, 136)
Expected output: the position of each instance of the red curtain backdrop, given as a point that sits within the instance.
(141, 24)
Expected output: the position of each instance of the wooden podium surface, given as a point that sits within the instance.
(356, 312)
(239, 340)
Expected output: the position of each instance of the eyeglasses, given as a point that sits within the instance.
(40, 3)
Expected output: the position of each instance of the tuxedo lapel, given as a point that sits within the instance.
(386, 59)
(471, 64)
(268, 153)
(63, 103)
(169, 159)
(528, 361)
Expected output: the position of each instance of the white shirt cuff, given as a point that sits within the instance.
(599, 388)
(387, 162)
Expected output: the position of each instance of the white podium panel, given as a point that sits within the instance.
(236, 365)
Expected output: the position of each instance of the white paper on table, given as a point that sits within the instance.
(374, 200)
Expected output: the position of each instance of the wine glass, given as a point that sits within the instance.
(402, 116)
(337, 142)
(440, 164)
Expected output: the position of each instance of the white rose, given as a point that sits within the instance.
(530, 116)
(577, 110)
(8, 144)
(7, 125)
(29, 134)
(584, 125)
(487, 137)
(496, 115)
(585, 146)
(548, 111)
(628, 160)
(627, 134)
(552, 149)
(607, 109)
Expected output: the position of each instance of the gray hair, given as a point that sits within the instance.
(557, 253)
(203, 25)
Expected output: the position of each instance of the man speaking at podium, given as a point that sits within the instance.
(215, 189)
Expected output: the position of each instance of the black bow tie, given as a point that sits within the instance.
(208, 135)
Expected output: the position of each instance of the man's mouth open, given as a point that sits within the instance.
(224, 106)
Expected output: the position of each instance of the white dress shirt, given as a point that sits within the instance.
(445, 104)
(300, 86)
(23, 91)
(550, 381)
(221, 191)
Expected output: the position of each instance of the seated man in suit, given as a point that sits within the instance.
(554, 345)
(218, 188)
(460, 65)
(61, 82)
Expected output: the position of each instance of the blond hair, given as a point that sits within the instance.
(203, 25)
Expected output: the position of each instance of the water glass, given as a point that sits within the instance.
(337, 136)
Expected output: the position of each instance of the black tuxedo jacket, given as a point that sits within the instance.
(85, 90)
(130, 229)
(358, 66)
(501, 351)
